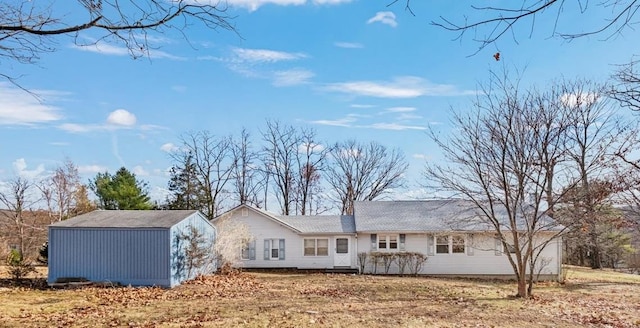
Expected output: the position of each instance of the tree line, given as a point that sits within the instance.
(291, 168)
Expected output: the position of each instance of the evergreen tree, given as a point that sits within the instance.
(121, 191)
(186, 191)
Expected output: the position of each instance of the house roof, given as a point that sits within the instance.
(126, 219)
(427, 215)
(306, 224)
(320, 223)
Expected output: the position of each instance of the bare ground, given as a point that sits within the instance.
(589, 298)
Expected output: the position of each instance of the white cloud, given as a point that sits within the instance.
(22, 108)
(168, 147)
(399, 87)
(420, 156)
(384, 17)
(253, 5)
(401, 109)
(292, 77)
(86, 169)
(348, 45)
(139, 171)
(121, 117)
(109, 49)
(344, 122)
(311, 146)
(361, 106)
(20, 166)
(265, 55)
(396, 126)
(78, 128)
(578, 99)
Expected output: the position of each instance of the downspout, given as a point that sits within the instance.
(356, 253)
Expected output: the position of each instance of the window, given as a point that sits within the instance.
(388, 242)
(442, 244)
(450, 244)
(342, 245)
(274, 249)
(249, 250)
(500, 249)
(457, 244)
(316, 247)
(245, 252)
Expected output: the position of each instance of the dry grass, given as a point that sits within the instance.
(589, 298)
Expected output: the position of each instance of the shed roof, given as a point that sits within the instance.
(320, 223)
(126, 219)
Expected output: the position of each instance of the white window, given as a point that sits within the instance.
(450, 244)
(442, 244)
(316, 247)
(248, 250)
(457, 244)
(387, 242)
(274, 247)
(245, 252)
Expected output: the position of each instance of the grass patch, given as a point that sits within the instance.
(589, 298)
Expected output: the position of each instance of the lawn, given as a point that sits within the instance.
(589, 298)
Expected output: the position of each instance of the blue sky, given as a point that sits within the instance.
(350, 69)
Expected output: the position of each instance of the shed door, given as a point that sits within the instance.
(342, 255)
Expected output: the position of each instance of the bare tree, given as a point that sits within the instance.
(247, 179)
(495, 162)
(212, 158)
(59, 190)
(231, 240)
(279, 156)
(495, 22)
(593, 134)
(310, 162)
(626, 88)
(18, 218)
(28, 28)
(360, 171)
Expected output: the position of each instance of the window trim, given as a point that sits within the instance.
(315, 247)
(450, 245)
(274, 244)
(387, 242)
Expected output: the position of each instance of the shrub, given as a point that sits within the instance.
(17, 266)
(416, 262)
(362, 260)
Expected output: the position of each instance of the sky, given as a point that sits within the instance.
(350, 69)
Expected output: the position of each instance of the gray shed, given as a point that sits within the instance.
(138, 248)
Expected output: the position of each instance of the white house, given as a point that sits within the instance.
(303, 242)
(448, 232)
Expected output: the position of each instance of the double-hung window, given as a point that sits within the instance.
(316, 247)
(274, 249)
(387, 242)
(450, 244)
(442, 244)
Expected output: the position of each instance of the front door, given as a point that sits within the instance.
(342, 256)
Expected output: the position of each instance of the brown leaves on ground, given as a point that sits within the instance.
(287, 299)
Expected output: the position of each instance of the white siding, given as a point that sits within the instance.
(484, 260)
(262, 228)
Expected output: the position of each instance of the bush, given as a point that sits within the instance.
(17, 266)
(362, 260)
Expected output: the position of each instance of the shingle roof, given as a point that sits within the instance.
(126, 219)
(424, 215)
(320, 223)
